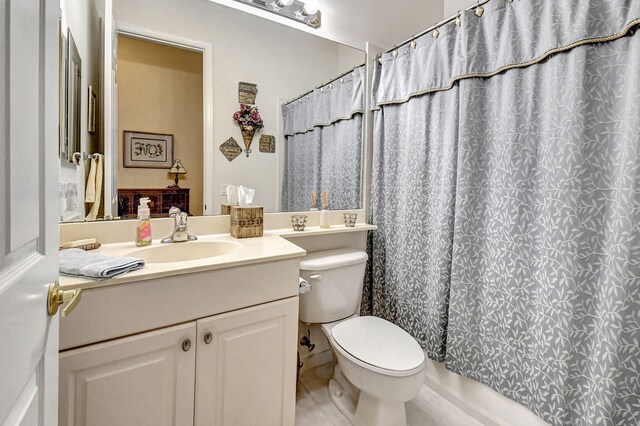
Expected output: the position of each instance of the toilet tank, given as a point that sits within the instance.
(336, 278)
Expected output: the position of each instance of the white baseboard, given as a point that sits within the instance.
(316, 359)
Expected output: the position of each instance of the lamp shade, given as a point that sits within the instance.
(178, 168)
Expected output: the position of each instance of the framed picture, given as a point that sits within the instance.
(147, 150)
(91, 120)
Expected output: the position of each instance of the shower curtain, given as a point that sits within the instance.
(323, 147)
(517, 262)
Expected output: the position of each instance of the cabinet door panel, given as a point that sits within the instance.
(247, 374)
(146, 379)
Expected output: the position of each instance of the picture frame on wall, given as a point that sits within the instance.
(147, 150)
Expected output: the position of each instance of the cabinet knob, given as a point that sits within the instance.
(208, 337)
(186, 345)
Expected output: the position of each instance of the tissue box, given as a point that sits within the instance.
(247, 222)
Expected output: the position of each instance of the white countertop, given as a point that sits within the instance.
(272, 246)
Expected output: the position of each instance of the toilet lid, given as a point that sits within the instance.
(379, 343)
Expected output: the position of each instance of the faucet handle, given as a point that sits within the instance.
(173, 211)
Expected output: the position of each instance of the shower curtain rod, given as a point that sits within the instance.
(436, 26)
(322, 85)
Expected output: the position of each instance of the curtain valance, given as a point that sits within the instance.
(334, 102)
(507, 35)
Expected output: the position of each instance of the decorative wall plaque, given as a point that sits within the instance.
(267, 143)
(230, 149)
(247, 93)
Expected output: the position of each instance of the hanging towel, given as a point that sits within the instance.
(93, 191)
(90, 189)
(92, 265)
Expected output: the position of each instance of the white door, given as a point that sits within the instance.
(246, 366)
(146, 379)
(28, 210)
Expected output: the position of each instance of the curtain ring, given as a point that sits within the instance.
(380, 60)
(459, 19)
(414, 44)
(479, 10)
(436, 33)
(395, 54)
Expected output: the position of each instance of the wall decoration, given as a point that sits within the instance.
(92, 126)
(267, 143)
(249, 120)
(247, 93)
(230, 149)
(147, 150)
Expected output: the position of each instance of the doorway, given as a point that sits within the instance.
(163, 89)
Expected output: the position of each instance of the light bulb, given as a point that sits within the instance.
(310, 7)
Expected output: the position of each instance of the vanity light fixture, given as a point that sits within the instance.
(310, 8)
(305, 12)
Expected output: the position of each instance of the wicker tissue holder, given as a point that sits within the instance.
(247, 222)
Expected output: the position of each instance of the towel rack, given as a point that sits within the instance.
(77, 156)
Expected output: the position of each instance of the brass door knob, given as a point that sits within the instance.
(57, 297)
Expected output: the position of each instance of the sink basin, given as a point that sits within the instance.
(181, 252)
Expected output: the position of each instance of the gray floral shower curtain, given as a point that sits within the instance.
(524, 271)
(323, 148)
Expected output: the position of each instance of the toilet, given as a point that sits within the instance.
(380, 366)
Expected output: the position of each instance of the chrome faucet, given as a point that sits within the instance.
(179, 233)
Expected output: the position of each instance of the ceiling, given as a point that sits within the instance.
(383, 23)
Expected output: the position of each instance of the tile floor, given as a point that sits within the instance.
(313, 407)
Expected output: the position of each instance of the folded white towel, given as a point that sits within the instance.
(92, 265)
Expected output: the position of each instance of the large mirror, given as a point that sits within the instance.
(202, 96)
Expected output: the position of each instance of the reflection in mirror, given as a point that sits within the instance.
(160, 121)
(80, 109)
(184, 68)
(323, 149)
(73, 99)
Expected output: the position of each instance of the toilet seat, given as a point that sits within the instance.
(378, 345)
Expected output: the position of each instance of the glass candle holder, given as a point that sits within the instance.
(299, 221)
(350, 219)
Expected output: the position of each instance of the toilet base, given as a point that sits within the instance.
(343, 394)
(362, 409)
(372, 411)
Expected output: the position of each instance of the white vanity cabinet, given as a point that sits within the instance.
(241, 365)
(207, 348)
(146, 379)
(244, 375)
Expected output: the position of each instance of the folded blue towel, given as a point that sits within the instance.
(92, 265)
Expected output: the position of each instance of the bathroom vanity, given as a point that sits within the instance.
(200, 341)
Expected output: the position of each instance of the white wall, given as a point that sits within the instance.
(82, 18)
(356, 22)
(452, 7)
(282, 61)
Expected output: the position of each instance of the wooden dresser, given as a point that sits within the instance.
(161, 200)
